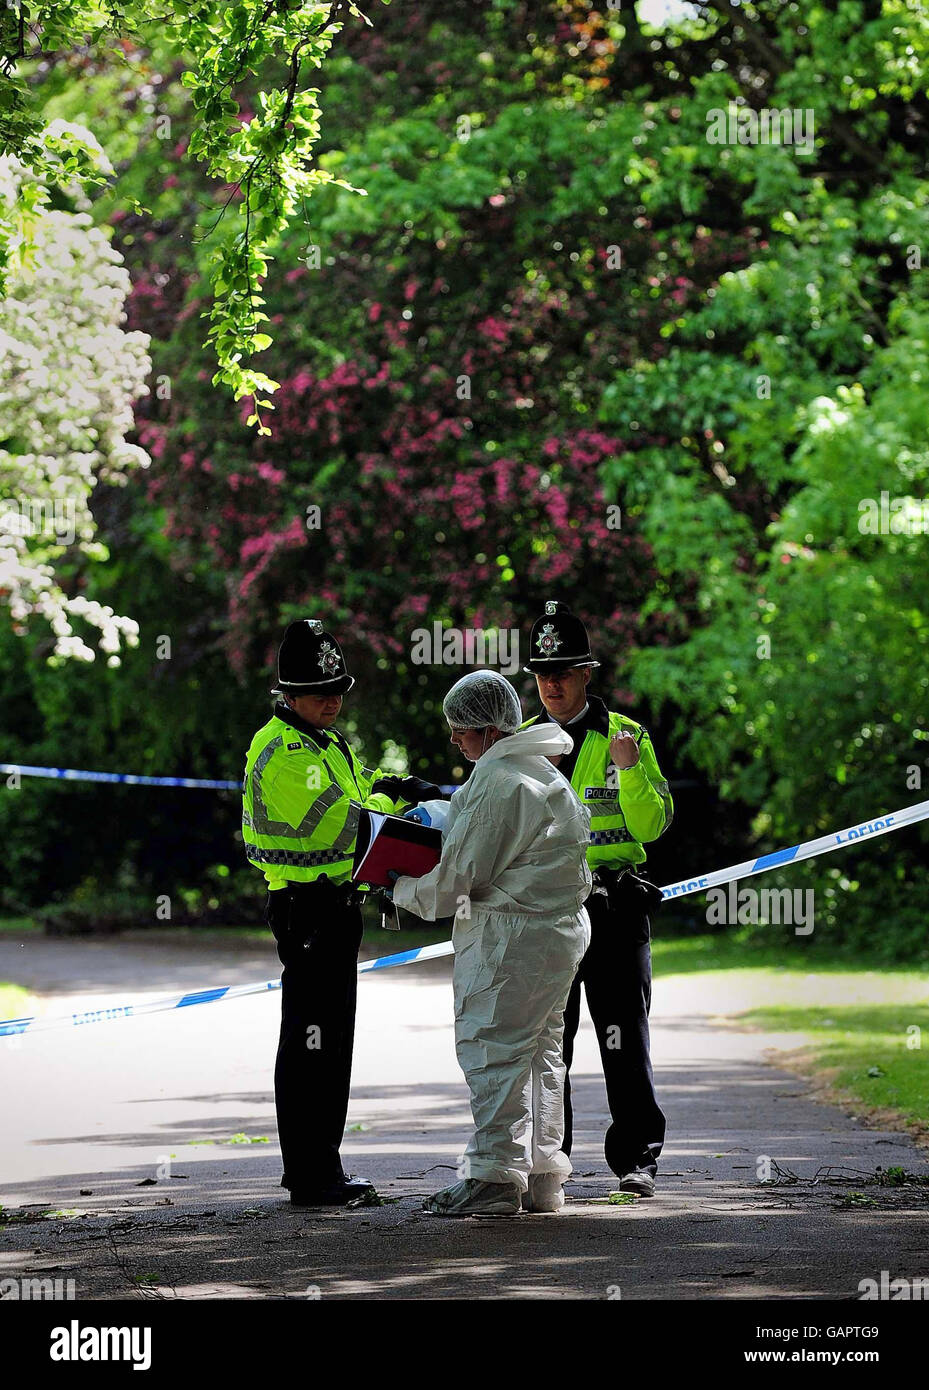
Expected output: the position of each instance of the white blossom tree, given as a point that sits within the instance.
(69, 374)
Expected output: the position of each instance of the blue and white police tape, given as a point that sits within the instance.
(73, 774)
(11, 1026)
(838, 839)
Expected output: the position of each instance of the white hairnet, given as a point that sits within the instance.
(482, 700)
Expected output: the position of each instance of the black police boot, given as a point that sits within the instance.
(337, 1194)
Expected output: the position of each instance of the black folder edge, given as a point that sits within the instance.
(400, 828)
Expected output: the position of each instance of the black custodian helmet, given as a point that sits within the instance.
(310, 662)
(559, 641)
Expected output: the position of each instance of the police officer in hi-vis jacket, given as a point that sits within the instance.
(304, 788)
(613, 770)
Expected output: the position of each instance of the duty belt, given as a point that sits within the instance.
(606, 878)
(607, 881)
(334, 894)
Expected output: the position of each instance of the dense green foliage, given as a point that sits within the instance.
(789, 402)
(558, 297)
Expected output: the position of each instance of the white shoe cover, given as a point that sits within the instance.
(471, 1197)
(545, 1192)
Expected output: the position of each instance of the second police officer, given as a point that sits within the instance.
(613, 770)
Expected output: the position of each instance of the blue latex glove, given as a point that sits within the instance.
(388, 893)
(418, 813)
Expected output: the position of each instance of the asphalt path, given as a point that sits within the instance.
(139, 1157)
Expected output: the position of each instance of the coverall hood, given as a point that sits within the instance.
(542, 740)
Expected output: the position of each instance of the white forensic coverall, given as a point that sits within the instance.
(514, 857)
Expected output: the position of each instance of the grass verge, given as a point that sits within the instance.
(858, 1030)
(869, 1058)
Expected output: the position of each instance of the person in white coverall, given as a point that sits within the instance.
(514, 875)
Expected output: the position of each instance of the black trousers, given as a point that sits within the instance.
(616, 974)
(318, 937)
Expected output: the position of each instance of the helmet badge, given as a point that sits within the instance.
(548, 641)
(328, 658)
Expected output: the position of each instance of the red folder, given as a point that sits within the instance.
(389, 842)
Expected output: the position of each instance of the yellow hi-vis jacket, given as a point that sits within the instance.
(304, 788)
(628, 806)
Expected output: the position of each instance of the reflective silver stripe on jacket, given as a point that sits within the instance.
(347, 836)
(664, 791)
(262, 823)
